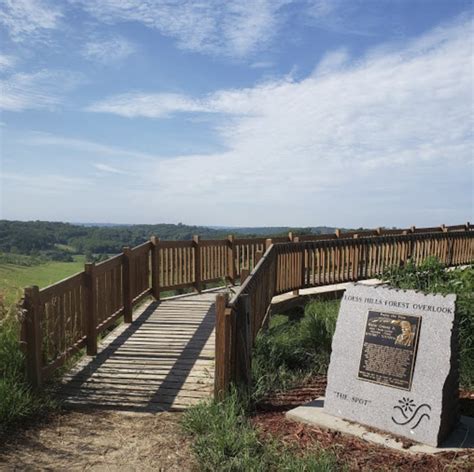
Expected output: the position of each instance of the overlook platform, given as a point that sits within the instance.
(163, 361)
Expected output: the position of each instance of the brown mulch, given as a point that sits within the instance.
(357, 454)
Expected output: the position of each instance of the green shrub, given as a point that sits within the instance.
(224, 440)
(432, 277)
(291, 350)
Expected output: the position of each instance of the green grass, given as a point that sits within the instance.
(224, 440)
(14, 277)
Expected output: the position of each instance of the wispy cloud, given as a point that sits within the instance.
(6, 62)
(344, 17)
(25, 19)
(48, 183)
(163, 105)
(108, 50)
(108, 169)
(41, 89)
(395, 123)
(262, 65)
(234, 29)
(155, 105)
(84, 146)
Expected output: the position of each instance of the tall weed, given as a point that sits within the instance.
(293, 349)
(17, 401)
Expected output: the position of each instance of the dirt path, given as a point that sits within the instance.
(98, 440)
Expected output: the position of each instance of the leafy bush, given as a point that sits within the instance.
(291, 350)
(432, 276)
(21, 259)
(224, 440)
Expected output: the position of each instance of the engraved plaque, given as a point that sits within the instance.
(389, 350)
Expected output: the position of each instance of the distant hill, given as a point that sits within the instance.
(274, 230)
(56, 239)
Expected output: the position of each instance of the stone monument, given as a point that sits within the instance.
(394, 363)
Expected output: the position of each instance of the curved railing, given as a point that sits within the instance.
(288, 267)
(67, 316)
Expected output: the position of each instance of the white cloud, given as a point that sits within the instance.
(343, 144)
(108, 50)
(332, 62)
(157, 105)
(41, 89)
(262, 65)
(6, 62)
(47, 183)
(347, 16)
(108, 169)
(27, 18)
(234, 28)
(83, 146)
(162, 105)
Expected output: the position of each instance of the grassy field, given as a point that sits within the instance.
(13, 278)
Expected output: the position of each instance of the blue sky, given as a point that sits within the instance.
(246, 113)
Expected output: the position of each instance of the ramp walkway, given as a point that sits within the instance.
(163, 361)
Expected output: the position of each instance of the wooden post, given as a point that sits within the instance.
(355, 261)
(32, 336)
(127, 284)
(268, 243)
(231, 258)
(290, 236)
(222, 376)
(378, 231)
(197, 264)
(443, 228)
(258, 256)
(243, 342)
(296, 292)
(244, 273)
(155, 267)
(412, 244)
(91, 310)
(338, 233)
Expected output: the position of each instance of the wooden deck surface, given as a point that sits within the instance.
(163, 361)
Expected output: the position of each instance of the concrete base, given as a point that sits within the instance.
(462, 438)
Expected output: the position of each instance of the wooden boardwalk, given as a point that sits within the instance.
(163, 361)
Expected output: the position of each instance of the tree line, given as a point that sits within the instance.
(58, 241)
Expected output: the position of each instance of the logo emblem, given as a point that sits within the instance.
(408, 413)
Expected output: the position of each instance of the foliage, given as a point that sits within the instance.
(432, 277)
(17, 401)
(293, 349)
(224, 440)
(35, 237)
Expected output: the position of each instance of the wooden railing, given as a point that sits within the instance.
(68, 316)
(287, 267)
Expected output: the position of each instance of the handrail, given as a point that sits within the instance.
(70, 314)
(292, 266)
